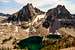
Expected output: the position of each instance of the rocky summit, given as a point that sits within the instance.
(27, 13)
(36, 23)
(59, 13)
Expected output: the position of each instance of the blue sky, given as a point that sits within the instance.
(12, 6)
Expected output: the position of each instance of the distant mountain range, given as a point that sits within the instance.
(28, 13)
(2, 14)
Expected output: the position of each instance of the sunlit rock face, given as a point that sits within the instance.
(3, 17)
(52, 19)
(59, 12)
(27, 13)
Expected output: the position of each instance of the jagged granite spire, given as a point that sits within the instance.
(27, 13)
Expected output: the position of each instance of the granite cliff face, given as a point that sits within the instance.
(27, 13)
(11, 34)
(4, 17)
(59, 12)
(2, 14)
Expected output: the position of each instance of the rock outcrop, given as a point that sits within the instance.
(27, 13)
(2, 14)
(60, 12)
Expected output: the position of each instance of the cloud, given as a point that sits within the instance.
(39, 3)
(4, 1)
(69, 5)
(8, 11)
(48, 4)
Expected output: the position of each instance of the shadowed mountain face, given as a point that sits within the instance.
(2, 14)
(27, 13)
(60, 12)
(73, 16)
(3, 17)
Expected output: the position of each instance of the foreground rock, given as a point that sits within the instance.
(71, 48)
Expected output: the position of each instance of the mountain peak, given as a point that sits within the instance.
(27, 13)
(60, 11)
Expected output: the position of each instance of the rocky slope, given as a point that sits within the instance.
(10, 35)
(61, 14)
(3, 17)
(60, 11)
(27, 13)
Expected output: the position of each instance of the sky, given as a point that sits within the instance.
(12, 6)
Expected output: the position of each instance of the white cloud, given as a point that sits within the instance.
(69, 5)
(8, 11)
(5, 1)
(39, 3)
